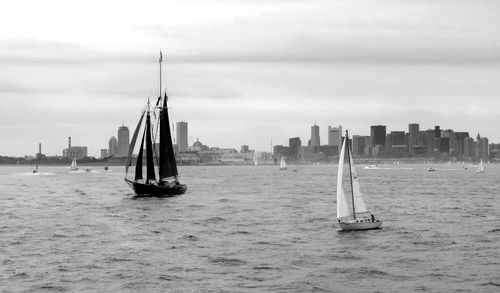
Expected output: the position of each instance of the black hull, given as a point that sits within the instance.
(154, 190)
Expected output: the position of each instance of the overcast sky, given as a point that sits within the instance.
(243, 72)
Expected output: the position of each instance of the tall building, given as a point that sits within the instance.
(294, 145)
(104, 153)
(377, 134)
(113, 147)
(460, 144)
(182, 136)
(123, 140)
(397, 138)
(358, 145)
(482, 145)
(315, 142)
(413, 137)
(335, 136)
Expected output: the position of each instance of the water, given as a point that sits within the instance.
(249, 229)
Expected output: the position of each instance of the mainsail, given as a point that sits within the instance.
(343, 209)
(168, 167)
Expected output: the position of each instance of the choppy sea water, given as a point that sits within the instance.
(249, 229)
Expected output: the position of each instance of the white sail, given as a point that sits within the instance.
(359, 201)
(282, 164)
(73, 165)
(480, 167)
(343, 210)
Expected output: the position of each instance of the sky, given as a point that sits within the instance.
(245, 72)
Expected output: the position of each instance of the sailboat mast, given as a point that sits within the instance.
(161, 59)
(350, 172)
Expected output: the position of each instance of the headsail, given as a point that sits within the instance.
(359, 201)
(138, 165)
(132, 144)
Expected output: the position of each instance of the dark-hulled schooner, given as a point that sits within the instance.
(167, 183)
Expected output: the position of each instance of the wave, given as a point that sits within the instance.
(228, 261)
(216, 219)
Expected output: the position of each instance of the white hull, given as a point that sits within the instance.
(352, 226)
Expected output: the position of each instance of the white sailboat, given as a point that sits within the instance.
(73, 166)
(283, 164)
(352, 212)
(480, 167)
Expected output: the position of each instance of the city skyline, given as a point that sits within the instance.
(243, 72)
(378, 134)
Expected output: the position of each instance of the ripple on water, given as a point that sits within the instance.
(227, 261)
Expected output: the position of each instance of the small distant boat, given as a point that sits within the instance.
(352, 211)
(431, 169)
(480, 167)
(106, 168)
(87, 170)
(282, 164)
(36, 169)
(168, 183)
(73, 166)
(370, 167)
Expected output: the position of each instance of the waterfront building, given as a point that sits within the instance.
(378, 139)
(123, 140)
(460, 144)
(335, 136)
(104, 153)
(198, 146)
(294, 144)
(76, 152)
(113, 147)
(315, 141)
(482, 151)
(280, 151)
(358, 145)
(413, 137)
(182, 136)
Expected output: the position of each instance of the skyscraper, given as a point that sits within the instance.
(413, 134)
(294, 145)
(182, 136)
(123, 140)
(335, 136)
(315, 142)
(112, 146)
(377, 134)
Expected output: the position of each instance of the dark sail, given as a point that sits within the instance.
(168, 167)
(150, 167)
(138, 165)
(132, 144)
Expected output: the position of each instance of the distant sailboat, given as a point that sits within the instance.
(73, 166)
(283, 164)
(480, 167)
(352, 212)
(168, 183)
